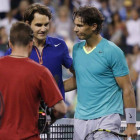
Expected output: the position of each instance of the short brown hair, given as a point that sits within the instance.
(21, 34)
(90, 15)
(36, 8)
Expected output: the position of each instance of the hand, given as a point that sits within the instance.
(53, 118)
(131, 131)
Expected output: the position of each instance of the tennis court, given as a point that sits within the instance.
(63, 130)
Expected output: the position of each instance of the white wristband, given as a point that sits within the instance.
(130, 115)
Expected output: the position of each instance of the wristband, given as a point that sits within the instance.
(130, 115)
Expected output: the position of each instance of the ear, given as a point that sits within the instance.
(30, 48)
(94, 27)
(10, 44)
(31, 44)
(27, 22)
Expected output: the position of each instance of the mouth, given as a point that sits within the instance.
(78, 34)
(42, 34)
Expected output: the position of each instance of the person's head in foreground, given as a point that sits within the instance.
(21, 37)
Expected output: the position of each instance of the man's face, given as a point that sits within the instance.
(82, 30)
(40, 26)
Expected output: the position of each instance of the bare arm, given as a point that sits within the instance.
(70, 84)
(129, 101)
(59, 110)
(128, 93)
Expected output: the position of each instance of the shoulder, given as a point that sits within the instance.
(110, 47)
(33, 63)
(2, 58)
(79, 45)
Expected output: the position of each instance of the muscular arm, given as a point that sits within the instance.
(128, 92)
(129, 101)
(58, 112)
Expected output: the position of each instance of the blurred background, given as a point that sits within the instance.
(121, 26)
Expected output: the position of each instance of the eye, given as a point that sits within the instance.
(46, 24)
(80, 25)
(38, 25)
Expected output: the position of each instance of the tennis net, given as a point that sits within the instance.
(63, 130)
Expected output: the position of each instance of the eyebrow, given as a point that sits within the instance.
(41, 23)
(79, 24)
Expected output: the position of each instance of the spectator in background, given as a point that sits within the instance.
(117, 36)
(125, 11)
(115, 5)
(8, 21)
(105, 10)
(95, 3)
(51, 6)
(3, 36)
(3, 41)
(63, 23)
(68, 3)
(48, 4)
(137, 5)
(23, 5)
(133, 30)
(4, 8)
(135, 53)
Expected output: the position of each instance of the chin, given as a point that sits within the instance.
(81, 38)
(41, 38)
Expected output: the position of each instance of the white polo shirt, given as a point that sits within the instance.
(133, 28)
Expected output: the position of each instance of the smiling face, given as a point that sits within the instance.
(82, 30)
(40, 26)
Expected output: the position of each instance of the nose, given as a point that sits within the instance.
(75, 29)
(43, 28)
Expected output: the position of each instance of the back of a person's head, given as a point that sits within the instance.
(20, 34)
(36, 8)
(89, 16)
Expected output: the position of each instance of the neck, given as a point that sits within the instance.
(18, 55)
(39, 43)
(19, 52)
(93, 41)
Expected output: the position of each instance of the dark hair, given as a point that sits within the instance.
(21, 34)
(36, 8)
(113, 15)
(90, 15)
